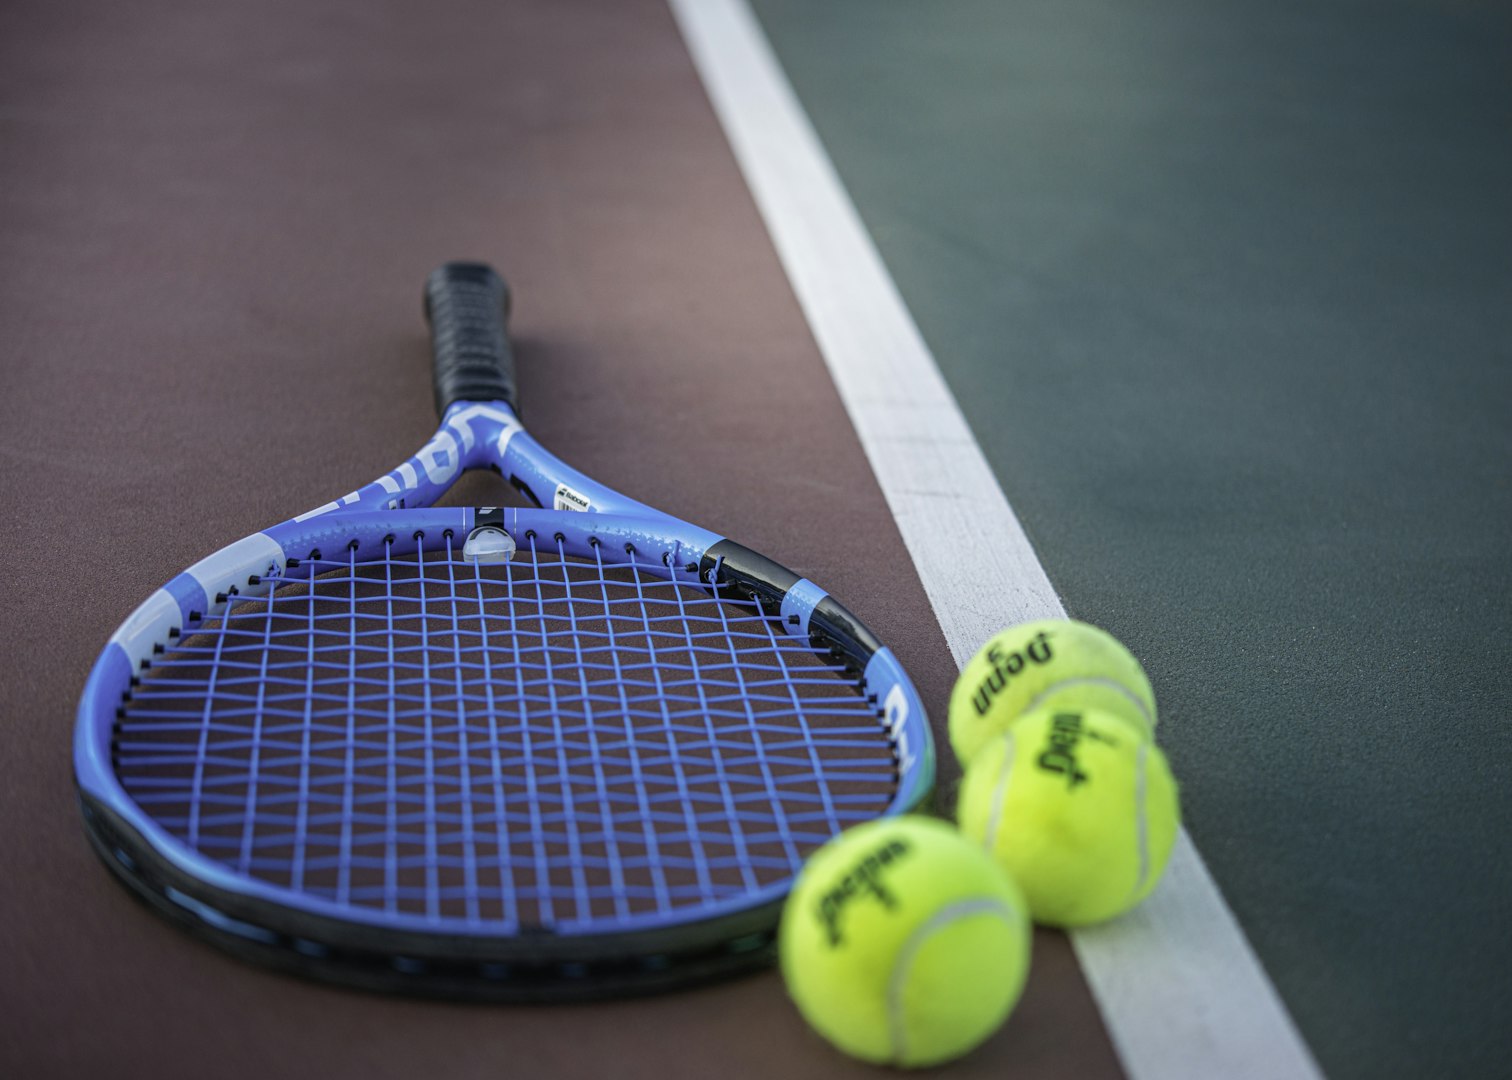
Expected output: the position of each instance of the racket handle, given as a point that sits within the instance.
(467, 306)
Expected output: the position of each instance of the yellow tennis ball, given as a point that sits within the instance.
(1079, 807)
(1050, 662)
(904, 943)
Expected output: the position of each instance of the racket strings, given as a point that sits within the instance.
(545, 742)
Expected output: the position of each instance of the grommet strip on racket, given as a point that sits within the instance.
(509, 753)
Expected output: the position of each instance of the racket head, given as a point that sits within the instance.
(668, 822)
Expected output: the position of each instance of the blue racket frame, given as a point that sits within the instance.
(233, 908)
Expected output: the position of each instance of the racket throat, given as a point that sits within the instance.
(805, 610)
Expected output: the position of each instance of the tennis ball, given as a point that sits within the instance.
(1053, 661)
(904, 943)
(1078, 806)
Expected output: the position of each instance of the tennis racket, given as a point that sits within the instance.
(571, 750)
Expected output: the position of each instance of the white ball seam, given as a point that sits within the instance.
(898, 980)
(1142, 818)
(999, 793)
(1094, 680)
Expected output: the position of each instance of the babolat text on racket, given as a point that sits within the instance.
(521, 753)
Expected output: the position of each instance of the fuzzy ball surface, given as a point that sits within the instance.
(1079, 807)
(1050, 662)
(903, 943)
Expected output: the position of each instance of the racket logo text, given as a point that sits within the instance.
(895, 711)
(568, 499)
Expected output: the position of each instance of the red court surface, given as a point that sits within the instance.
(217, 221)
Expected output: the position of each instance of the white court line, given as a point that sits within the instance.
(1180, 990)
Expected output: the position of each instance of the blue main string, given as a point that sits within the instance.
(546, 742)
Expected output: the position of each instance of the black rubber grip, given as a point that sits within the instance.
(467, 306)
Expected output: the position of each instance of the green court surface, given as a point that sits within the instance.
(1225, 293)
